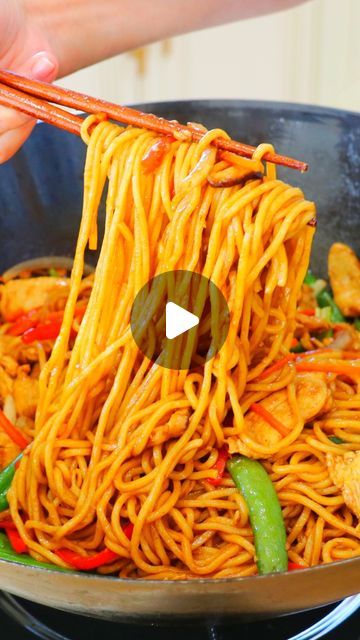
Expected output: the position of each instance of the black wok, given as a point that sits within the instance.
(40, 205)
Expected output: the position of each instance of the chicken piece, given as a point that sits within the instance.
(312, 395)
(174, 428)
(345, 473)
(344, 274)
(8, 450)
(20, 296)
(26, 395)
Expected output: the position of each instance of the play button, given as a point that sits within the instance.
(179, 319)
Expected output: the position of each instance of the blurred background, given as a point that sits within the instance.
(309, 54)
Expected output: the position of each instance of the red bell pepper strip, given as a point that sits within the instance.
(50, 329)
(220, 466)
(293, 566)
(128, 529)
(23, 323)
(16, 540)
(307, 312)
(86, 563)
(46, 331)
(7, 524)
(14, 434)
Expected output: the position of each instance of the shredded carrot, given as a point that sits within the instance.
(13, 433)
(330, 367)
(277, 365)
(345, 355)
(350, 355)
(294, 343)
(307, 312)
(268, 417)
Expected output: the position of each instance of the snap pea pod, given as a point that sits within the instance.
(336, 440)
(310, 278)
(6, 477)
(7, 553)
(325, 299)
(265, 513)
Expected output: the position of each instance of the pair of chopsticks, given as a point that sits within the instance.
(34, 98)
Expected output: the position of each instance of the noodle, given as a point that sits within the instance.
(120, 439)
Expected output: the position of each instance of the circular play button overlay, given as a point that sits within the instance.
(179, 319)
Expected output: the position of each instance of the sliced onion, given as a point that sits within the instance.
(45, 262)
(9, 408)
(233, 180)
(201, 170)
(342, 340)
(197, 127)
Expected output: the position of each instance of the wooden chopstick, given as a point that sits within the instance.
(32, 97)
(39, 109)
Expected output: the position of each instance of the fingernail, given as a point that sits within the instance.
(43, 67)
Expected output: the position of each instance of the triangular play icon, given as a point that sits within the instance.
(178, 320)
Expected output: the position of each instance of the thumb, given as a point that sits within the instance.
(41, 66)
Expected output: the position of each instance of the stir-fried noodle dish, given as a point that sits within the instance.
(248, 461)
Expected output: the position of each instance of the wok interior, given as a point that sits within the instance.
(41, 195)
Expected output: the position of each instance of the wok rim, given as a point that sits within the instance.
(91, 577)
(249, 102)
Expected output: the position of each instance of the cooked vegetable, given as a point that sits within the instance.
(325, 299)
(316, 284)
(7, 524)
(7, 553)
(86, 563)
(23, 323)
(279, 364)
(310, 278)
(6, 476)
(16, 540)
(294, 566)
(13, 433)
(220, 466)
(45, 331)
(307, 312)
(336, 440)
(297, 348)
(265, 513)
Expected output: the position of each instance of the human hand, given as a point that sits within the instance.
(24, 48)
